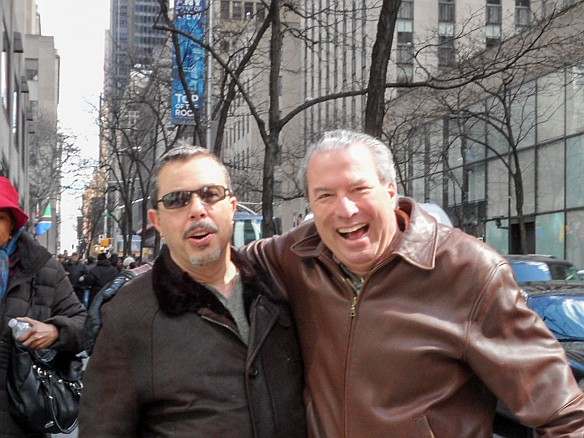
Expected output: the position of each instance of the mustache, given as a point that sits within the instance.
(209, 226)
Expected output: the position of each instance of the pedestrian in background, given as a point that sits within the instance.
(408, 328)
(116, 261)
(101, 274)
(129, 263)
(90, 263)
(200, 345)
(27, 267)
(76, 269)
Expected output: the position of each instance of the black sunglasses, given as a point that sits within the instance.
(208, 195)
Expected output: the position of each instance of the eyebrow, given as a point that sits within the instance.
(354, 183)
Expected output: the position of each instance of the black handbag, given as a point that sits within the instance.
(44, 394)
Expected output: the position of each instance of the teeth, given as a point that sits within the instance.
(200, 234)
(350, 230)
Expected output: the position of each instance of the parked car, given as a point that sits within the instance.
(537, 267)
(554, 289)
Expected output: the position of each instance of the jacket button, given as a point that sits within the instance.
(253, 372)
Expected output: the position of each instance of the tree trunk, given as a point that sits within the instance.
(375, 108)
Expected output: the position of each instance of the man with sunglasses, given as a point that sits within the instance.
(201, 345)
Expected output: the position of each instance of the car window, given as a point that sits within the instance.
(540, 271)
(564, 315)
(531, 271)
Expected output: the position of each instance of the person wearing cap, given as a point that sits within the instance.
(58, 316)
(129, 262)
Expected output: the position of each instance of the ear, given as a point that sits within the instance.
(155, 219)
(392, 190)
(233, 202)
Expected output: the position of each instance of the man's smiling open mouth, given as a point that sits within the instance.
(355, 232)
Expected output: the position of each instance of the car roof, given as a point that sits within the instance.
(553, 287)
(542, 258)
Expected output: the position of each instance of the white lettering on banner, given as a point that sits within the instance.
(183, 112)
(182, 98)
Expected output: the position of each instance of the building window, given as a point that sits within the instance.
(574, 238)
(405, 73)
(550, 231)
(32, 69)
(248, 9)
(493, 11)
(237, 11)
(406, 10)
(446, 18)
(225, 9)
(575, 99)
(446, 11)
(260, 12)
(446, 52)
(405, 48)
(550, 106)
(522, 14)
(550, 177)
(493, 22)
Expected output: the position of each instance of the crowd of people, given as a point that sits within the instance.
(371, 319)
(90, 275)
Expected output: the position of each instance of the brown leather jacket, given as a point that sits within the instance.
(438, 332)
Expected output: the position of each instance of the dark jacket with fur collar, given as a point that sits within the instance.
(168, 362)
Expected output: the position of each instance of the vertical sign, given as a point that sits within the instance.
(190, 19)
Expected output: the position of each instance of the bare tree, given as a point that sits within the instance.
(494, 115)
(285, 24)
(135, 131)
(55, 164)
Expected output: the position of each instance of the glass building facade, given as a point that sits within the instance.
(467, 163)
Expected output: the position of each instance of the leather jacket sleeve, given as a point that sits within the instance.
(521, 362)
(93, 321)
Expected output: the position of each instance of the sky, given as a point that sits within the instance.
(78, 27)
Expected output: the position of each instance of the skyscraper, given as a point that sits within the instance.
(131, 41)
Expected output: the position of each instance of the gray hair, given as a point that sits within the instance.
(182, 152)
(341, 139)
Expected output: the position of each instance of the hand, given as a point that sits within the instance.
(40, 336)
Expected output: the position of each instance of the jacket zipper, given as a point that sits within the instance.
(354, 306)
(352, 316)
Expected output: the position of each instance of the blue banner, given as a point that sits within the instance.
(189, 17)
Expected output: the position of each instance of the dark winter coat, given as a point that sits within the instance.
(75, 270)
(169, 362)
(55, 303)
(98, 277)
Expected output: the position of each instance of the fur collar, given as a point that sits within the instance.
(177, 293)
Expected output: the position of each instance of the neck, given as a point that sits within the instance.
(224, 284)
(220, 275)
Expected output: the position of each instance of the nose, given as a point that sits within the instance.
(196, 207)
(346, 207)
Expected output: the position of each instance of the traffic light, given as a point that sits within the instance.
(105, 242)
